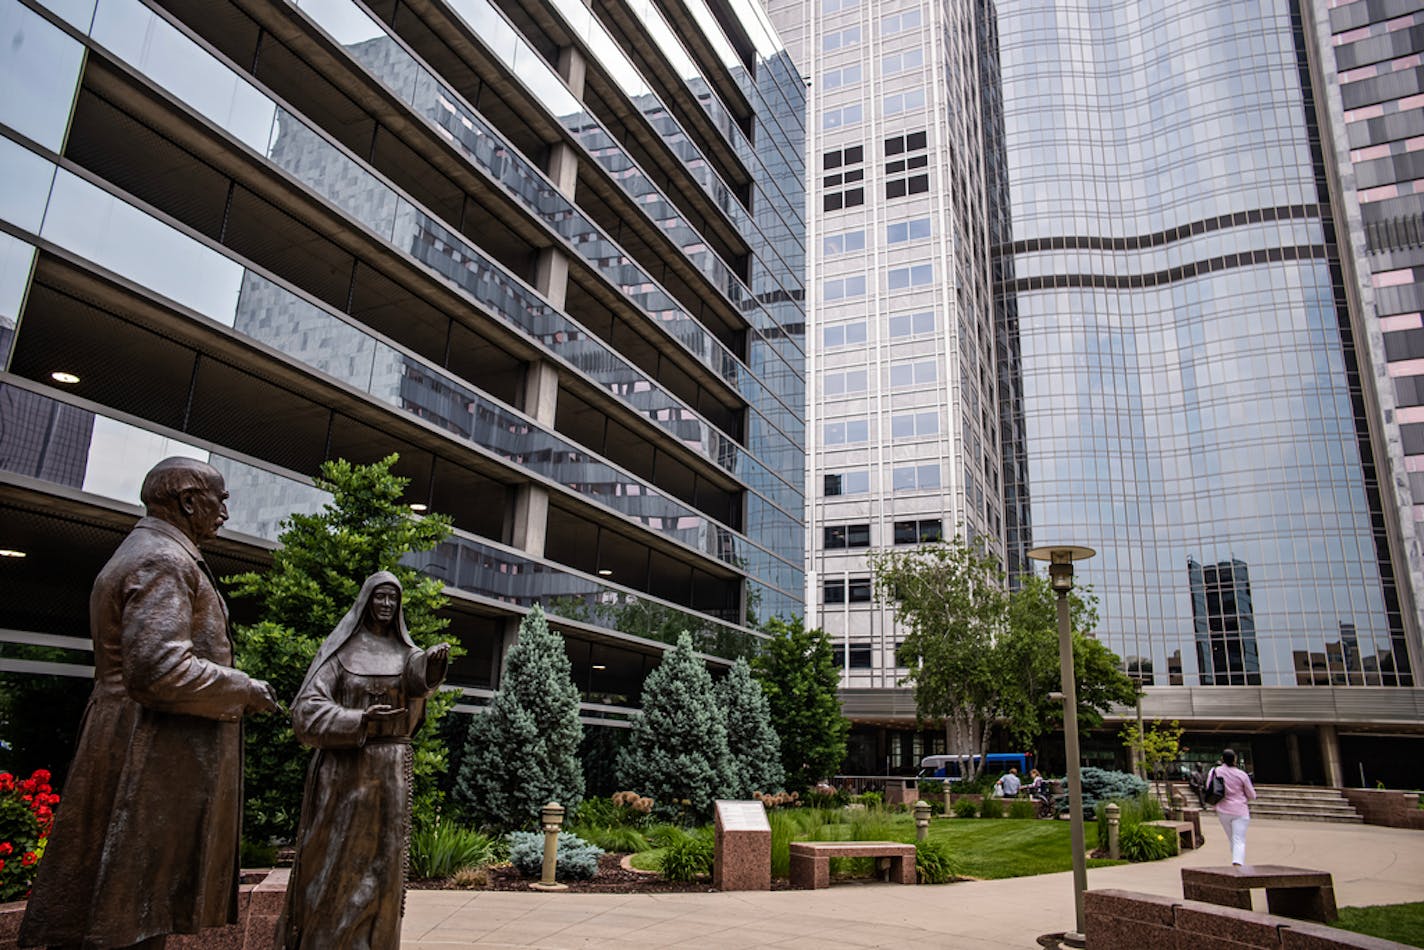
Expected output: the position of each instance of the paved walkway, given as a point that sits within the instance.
(1371, 865)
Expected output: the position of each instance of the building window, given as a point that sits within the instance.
(923, 531)
(843, 288)
(905, 157)
(840, 384)
(860, 656)
(900, 62)
(856, 590)
(840, 39)
(841, 118)
(847, 483)
(907, 478)
(900, 22)
(902, 102)
(838, 6)
(841, 175)
(918, 275)
(912, 324)
(846, 242)
(850, 432)
(907, 374)
(844, 334)
(901, 231)
(911, 425)
(845, 76)
(839, 536)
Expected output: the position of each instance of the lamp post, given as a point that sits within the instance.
(1060, 560)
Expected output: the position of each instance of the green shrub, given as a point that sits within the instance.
(1147, 843)
(619, 838)
(1023, 808)
(1101, 784)
(981, 784)
(825, 797)
(690, 857)
(440, 848)
(869, 799)
(1131, 813)
(607, 813)
(933, 862)
(991, 808)
(253, 855)
(663, 833)
(964, 808)
(577, 859)
(931, 787)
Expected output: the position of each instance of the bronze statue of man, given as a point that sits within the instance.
(145, 843)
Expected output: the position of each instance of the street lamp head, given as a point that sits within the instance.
(1060, 560)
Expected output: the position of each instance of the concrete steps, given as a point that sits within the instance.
(1288, 802)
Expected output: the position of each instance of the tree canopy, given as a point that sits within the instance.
(754, 750)
(798, 674)
(979, 652)
(524, 750)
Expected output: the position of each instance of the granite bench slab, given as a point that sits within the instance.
(1290, 892)
(811, 860)
(1186, 832)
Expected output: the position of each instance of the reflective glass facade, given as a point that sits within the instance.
(572, 301)
(1191, 392)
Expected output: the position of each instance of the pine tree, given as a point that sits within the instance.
(314, 578)
(524, 751)
(753, 747)
(677, 752)
(800, 679)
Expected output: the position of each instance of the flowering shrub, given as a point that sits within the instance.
(26, 816)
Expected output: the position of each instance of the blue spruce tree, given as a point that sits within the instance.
(523, 752)
(753, 746)
(677, 752)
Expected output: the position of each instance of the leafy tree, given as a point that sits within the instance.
(752, 743)
(951, 597)
(524, 751)
(798, 674)
(1157, 747)
(677, 752)
(314, 578)
(979, 653)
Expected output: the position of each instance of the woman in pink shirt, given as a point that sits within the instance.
(1232, 810)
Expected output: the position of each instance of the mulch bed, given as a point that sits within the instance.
(612, 878)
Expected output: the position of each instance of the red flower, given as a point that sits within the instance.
(2, 864)
(41, 775)
(6, 847)
(7, 781)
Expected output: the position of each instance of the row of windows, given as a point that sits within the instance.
(897, 278)
(849, 242)
(855, 590)
(889, 26)
(901, 325)
(840, 117)
(903, 478)
(903, 425)
(902, 376)
(916, 531)
(860, 656)
(835, 78)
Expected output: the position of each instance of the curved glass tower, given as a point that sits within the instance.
(1191, 401)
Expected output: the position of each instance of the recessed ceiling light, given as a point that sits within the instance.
(599, 666)
(417, 506)
(11, 552)
(604, 572)
(59, 376)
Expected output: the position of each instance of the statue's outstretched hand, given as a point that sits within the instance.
(263, 698)
(382, 712)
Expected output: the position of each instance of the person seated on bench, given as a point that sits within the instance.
(1008, 784)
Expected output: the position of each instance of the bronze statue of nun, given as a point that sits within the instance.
(362, 700)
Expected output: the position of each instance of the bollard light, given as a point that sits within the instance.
(1114, 814)
(922, 820)
(551, 818)
(1060, 560)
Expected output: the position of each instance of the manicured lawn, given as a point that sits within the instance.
(987, 848)
(993, 848)
(1402, 923)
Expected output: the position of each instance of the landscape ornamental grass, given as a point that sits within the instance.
(1145, 842)
(689, 857)
(934, 863)
(964, 808)
(441, 848)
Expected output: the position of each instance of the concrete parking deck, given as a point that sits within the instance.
(1370, 864)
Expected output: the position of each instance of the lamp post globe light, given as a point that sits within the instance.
(1060, 560)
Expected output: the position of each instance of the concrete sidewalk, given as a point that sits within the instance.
(1371, 865)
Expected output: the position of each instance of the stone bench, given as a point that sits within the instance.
(1290, 892)
(1124, 920)
(811, 860)
(1186, 832)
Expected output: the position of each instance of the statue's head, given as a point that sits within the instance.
(188, 494)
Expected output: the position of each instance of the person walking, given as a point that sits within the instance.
(1232, 810)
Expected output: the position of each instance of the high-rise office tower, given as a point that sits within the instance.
(1172, 368)
(550, 257)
